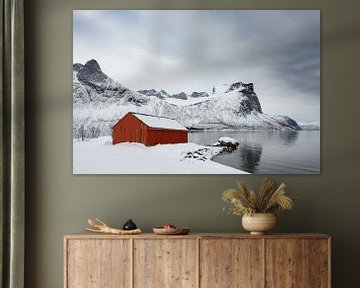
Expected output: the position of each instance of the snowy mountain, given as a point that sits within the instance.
(91, 85)
(181, 95)
(162, 94)
(313, 126)
(198, 94)
(99, 101)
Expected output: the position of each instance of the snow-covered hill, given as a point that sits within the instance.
(313, 126)
(99, 101)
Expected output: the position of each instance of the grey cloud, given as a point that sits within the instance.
(191, 50)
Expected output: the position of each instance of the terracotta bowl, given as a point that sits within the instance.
(171, 231)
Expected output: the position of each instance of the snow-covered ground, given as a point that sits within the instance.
(99, 156)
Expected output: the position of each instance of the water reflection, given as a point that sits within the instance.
(250, 155)
(288, 137)
(268, 152)
(247, 157)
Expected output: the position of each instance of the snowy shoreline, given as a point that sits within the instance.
(99, 156)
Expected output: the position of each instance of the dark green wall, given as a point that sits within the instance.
(59, 203)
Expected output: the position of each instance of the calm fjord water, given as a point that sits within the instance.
(268, 152)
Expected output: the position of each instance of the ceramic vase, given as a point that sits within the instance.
(259, 223)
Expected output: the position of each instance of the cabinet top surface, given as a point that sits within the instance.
(87, 235)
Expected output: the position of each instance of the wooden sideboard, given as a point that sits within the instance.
(197, 260)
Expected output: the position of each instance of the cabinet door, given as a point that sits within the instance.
(165, 263)
(287, 263)
(320, 263)
(98, 263)
(231, 263)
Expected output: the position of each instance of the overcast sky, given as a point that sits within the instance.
(279, 51)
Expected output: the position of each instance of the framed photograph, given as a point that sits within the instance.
(196, 92)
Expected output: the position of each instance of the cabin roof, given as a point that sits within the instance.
(159, 122)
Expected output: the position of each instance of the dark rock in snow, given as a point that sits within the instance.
(199, 94)
(244, 87)
(250, 102)
(228, 143)
(91, 72)
(234, 86)
(198, 154)
(78, 67)
(249, 87)
(162, 94)
(181, 95)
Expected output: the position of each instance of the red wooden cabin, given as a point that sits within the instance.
(149, 130)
